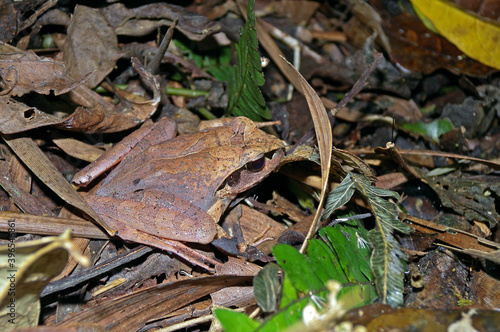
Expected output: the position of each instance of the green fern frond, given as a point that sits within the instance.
(245, 97)
(387, 256)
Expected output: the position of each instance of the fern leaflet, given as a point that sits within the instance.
(245, 97)
(387, 256)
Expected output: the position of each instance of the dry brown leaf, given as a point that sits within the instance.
(26, 72)
(323, 131)
(142, 20)
(462, 241)
(91, 46)
(16, 117)
(24, 278)
(78, 149)
(236, 296)
(132, 311)
(44, 225)
(299, 12)
(21, 197)
(8, 21)
(122, 117)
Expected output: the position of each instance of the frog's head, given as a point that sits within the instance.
(259, 154)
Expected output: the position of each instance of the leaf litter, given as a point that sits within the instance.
(66, 87)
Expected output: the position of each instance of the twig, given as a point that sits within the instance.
(357, 87)
(154, 65)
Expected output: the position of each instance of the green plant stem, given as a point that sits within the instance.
(185, 92)
(204, 112)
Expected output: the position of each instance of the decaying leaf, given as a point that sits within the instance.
(456, 239)
(25, 72)
(26, 268)
(299, 12)
(16, 117)
(122, 117)
(416, 48)
(20, 196)
(89, 28)
(469, 196)
(132, 311)
(142, 20)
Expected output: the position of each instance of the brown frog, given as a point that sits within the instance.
(175, 189)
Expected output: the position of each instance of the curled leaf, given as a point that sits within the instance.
(26, 268)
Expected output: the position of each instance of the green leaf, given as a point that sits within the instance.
(387, 256)
(285, 317)
(298, 268)
(350, 253)
(235, 321)
(288, 293)
(324, 261)
(244, 95)
(337, 257)
(432, 129)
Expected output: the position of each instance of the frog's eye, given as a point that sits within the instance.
(257, 164)
(233, 179)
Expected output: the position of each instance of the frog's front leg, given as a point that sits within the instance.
(139, 140)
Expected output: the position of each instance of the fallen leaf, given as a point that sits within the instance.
(416, 48)
(16, 117)
(323, 131)
(142, 20)
(21, 197)
(132, 311)
(26, 269)
(121, 117)
(91, 46)
(26, 72)
(476, 37)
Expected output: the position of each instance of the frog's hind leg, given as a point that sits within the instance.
(174, 247)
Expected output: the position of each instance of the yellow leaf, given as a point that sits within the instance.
(478, 38)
